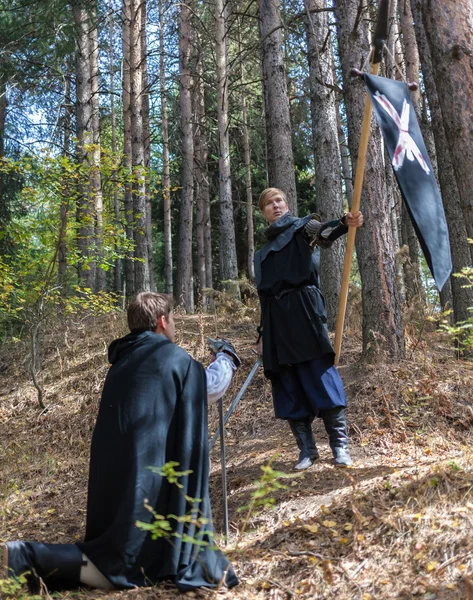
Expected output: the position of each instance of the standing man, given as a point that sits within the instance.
(153, 413)
(298, 356)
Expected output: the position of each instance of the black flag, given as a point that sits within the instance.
(396, 117)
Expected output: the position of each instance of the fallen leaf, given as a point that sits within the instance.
(329, 524)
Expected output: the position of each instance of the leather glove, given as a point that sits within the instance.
(223, 345)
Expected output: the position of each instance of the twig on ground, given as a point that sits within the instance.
(283, 587)
(359, 568)
(450, 561)
(307, 553)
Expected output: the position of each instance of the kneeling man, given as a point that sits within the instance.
(153, 411)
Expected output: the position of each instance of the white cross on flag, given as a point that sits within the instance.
(409, 158)
(405, 144)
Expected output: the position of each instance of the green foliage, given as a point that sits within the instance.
(30, 287)
(266, 485)
(462, 332)
(169, 472)
(261, 496)
(13, 588)
(454, 466)
(161, 526)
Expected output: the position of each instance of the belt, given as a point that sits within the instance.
(289, 290)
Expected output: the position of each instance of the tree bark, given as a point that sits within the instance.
(84, 127)
(280, 161)
(200, 175)
(247, 158)
(325, 147)
(100, 277)
(345, 159)
(168, 284)
(461, 255)
(227, 246)
(127, 158)
(449, 30)
(147, 145)
(412, 269)
(64, 209)
(382, 324)
(3, 118)
(142, 280)
(117, 271)
(185, 295)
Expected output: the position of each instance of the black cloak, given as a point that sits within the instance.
(153, 410)
(293, 314)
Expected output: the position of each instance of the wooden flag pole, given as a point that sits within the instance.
(379, 38)
(355, 207)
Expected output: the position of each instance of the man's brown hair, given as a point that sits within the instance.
(146, 308)
(269, 193)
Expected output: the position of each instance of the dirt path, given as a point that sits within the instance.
(396, 525)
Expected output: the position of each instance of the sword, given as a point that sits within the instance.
(222, 420)
(223, 469)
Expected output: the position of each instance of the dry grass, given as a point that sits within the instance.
(397, 525)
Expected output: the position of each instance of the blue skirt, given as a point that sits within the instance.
(303, 390)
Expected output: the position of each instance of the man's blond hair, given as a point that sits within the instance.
(269, 193)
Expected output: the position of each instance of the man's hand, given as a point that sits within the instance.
(223, 345)
(354, 219)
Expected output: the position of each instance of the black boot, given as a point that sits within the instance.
(336, 427)
(302, 431)
(58, 565)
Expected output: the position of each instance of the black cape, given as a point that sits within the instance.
(153, 410)
(293, 313)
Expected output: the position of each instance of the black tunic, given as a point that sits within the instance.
(153, 410)
(293, 313)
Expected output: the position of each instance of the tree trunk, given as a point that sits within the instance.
(382, 324)
(199, 139)
(185, 295)
(117, 272)
(86, 201)
(461, 256)
(281, 172)
(445, 294)
(247, 159)
(142, 281)
(227, 246)
(3, 118)
(168, 286)
(449, 30)
(126, 102)
(325, 147)
(64, 209)
(345, 159)
(205, 193)
(412, 268)
(147, 146)
(100, 278)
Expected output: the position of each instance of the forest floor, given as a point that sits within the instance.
(398, 524)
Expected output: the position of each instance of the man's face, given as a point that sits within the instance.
(274, 208)
(169, 327)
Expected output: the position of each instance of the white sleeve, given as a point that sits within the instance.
(219, 375)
